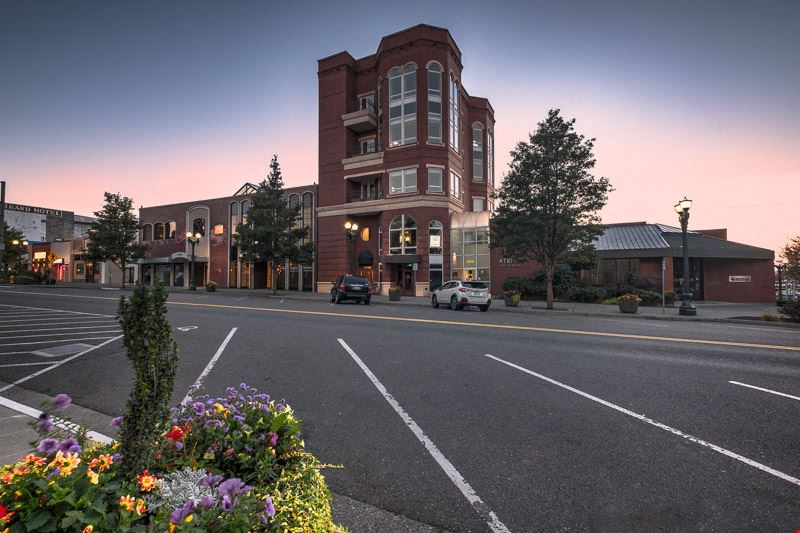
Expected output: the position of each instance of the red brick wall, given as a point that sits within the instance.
(761, 288)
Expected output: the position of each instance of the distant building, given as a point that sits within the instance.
(42, 224)
(217, 256)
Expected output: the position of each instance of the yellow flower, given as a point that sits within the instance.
(7, 478)
(141, 508)
(172, 527)
(219, 408)
(188, 518)
(93, 476)
(127, 503)
(66, 462)
(33, 459)
(88, 529)
(146, 481)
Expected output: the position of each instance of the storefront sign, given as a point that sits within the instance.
(36, 210)
(739, 279)
(40, 255)
(436, 241)
(509, 262)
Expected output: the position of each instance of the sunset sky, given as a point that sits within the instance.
(170, 101)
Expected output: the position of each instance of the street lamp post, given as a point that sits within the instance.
(193, 240)
(779, 268)
(16, 242)
(351, 228)
(682, 208)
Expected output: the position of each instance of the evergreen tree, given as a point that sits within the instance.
(154, 354)
(791, 254)
(114, 236)
(272, 231)
(549, 200)
(12, 252)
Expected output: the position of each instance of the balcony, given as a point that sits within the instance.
(360, 116)
(353, 197)
(363, 155)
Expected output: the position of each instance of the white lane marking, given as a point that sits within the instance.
(54, 334)
(28, 364)
(13, 353)
(60, 329)
(186, 328)
(60, 310)
(52, 319)
(765, 390)
(58, 364)
(51, 314)
(281, 300)
(458, 480)
(35, 413)
(199, 382)
(56, 340)
(701, 442)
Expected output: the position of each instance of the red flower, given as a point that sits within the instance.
(177, 433)
(5, 516)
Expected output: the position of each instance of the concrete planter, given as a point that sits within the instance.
(628, 306)
(394, 295)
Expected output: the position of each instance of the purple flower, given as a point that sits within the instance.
(232, 487)
(54, 473)
(199, 408)
(179, 514)
(116, 422)
(179, 445)
(227, 504)
(238, 418)
(211, 481)
(69, 445)
(43, 425)
(47, 446)
(243, 386)
(273, 439)
(269, 508)
(61, 401)
(207, 502)
(116, 457)
(212, 423)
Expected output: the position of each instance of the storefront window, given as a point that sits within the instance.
(469, 246)
(179, 270)
(402, 235)
(199, 226)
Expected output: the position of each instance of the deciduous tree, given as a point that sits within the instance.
(549, 200)
(791, 254)
(12, 252)
(272, 231)
(114, 236)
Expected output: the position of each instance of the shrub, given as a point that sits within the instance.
(211, 286)
(23, 280)
(648, 298)
(768, 317)
(518, 284)
(669, 298)
(536, 286)
(154, 354)
(588, 295)
(792, 310)
(610, 301)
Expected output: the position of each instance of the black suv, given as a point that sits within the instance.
(351, 288)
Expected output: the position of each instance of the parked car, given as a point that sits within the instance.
(458, 294)
(351, 288)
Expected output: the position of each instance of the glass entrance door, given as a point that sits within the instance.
(405, 279)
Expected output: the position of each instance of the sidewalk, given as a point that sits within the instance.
(706, 311)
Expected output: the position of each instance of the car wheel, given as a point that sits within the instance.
(338, 299)
(331, 297)
(366, 301)
(454, 304)
(483, 308)
(435, 302)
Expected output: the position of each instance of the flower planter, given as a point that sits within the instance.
(628, 306)
(509, 301)
(394, 295)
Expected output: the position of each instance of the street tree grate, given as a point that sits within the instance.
(58, 351)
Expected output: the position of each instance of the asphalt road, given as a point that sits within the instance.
(474, 421)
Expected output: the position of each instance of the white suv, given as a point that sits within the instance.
(458, 294)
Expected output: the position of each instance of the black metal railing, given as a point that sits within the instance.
(360, 105)
(366, 149)
(363, 196)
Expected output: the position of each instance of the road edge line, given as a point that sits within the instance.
(35, 413)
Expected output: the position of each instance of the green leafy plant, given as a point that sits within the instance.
(588, 295)
(211, 286)
(629, 298)
(154, 354)
(792, 310)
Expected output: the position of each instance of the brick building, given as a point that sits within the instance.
(406, 154)
(168, 256)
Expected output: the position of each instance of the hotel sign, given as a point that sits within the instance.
(35, 210)
(738, 279)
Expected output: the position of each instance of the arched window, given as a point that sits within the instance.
(434, 103)
(147, 232)
(454, 115)
(402, 235)
(234, 217)
(169, 229)
(308, 215)
(158, 231)
(199, 226)
(294, 203)
(490, 156)
(435, 233)
(403, 105)
(245, 209)
(477, 152)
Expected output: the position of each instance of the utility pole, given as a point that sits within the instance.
(2, 231)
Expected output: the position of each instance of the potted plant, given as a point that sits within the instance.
(211, 286)
(511, 298)
(394, 294)
(629, 303)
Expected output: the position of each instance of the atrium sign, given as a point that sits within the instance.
(35, 210)
(738, 279)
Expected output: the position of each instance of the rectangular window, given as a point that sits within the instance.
(368, 146)
(455, 185)
(477, 152)
(403, 181)
(454, 115)
(435, 179)
(490, 156)
(477, 204)
(367, 102)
